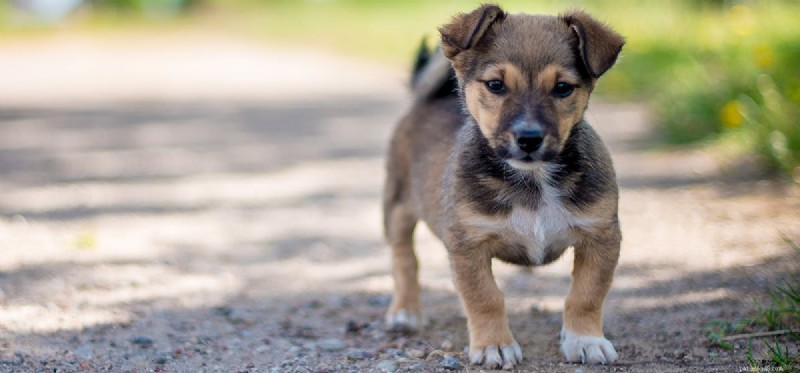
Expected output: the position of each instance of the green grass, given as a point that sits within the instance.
(385, 31)
(720, 75)
(781, 313)
(780, 356)
(716, 330)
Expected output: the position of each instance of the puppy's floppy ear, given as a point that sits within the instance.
(467, 30)
(598, 44)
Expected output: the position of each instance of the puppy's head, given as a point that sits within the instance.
(526, 79)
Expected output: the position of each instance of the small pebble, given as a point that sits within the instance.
(142, 341)
(388, 366)
(262, 349)
(331, 344)
(224, 311)
(379, 300)
(294, 351)
(239, 317)
(304, 332)
(355, 354)
(354, 327)
(415, 353)
(84, 352)
(451, 363)
(312, 305)
(447, 345)
(338, 301)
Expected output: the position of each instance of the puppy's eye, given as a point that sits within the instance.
(496, 86)
(563, 89)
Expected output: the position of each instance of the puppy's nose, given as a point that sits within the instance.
(529, 140)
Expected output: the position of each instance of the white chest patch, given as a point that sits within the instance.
(547, 228)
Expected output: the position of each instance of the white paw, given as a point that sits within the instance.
(404, 321)
(504, 357)
(587, 349)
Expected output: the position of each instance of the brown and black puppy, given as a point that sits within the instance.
(507, 168)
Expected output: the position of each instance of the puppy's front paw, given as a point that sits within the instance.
(587, 349)
(494, 356)
(404, 321)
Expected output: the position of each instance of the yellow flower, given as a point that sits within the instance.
(730, 116)
(763, 56)
(85, 241)
(743, 20)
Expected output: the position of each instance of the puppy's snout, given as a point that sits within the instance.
(529, 140)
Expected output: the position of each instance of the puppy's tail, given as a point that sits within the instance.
(433, 76)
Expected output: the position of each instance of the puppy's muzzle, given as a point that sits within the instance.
(529, 140)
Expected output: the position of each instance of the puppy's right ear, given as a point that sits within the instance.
(467, 30)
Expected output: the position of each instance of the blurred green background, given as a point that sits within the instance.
(721, 74)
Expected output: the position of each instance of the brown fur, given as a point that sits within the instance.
(462, 172)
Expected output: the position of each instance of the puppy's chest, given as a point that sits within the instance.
(542, 232)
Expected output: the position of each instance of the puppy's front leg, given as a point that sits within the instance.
(582, 337)
(490, 339)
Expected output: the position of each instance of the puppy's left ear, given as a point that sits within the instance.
(598, 44)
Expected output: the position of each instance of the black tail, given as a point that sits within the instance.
(423, 57)
(433, 76)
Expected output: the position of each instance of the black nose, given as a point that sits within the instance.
(529, 140)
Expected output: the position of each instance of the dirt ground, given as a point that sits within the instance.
(201, 204)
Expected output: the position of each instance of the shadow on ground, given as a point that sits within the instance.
(143, 142)
(226, 237)
(343, 331)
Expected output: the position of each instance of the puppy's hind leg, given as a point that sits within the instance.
(405, 312)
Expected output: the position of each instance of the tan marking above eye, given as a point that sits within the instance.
(510, 75)
(553, 74)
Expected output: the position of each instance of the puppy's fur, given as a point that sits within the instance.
(507, 168)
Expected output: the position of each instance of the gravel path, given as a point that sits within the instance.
(219, 211)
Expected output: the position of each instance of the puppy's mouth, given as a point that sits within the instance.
(526, 146)
(523, 164)
(522, 160)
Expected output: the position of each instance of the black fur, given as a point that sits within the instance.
(579, 178)
(492, 187)
(480, 171)
(423, 56)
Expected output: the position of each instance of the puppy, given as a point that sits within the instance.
(506, 167)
